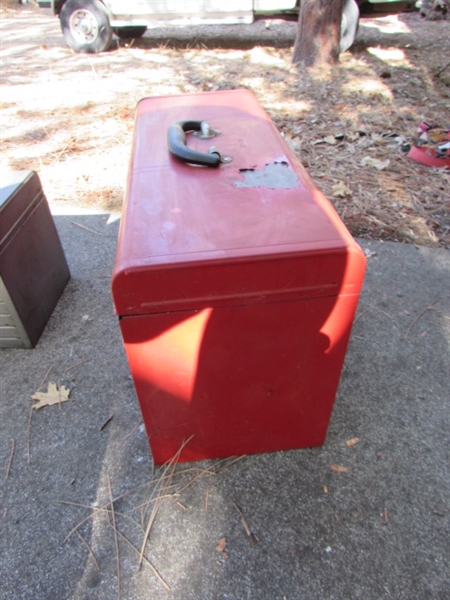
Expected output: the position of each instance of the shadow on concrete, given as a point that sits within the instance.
(379, 530)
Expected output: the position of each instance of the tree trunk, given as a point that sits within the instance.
(318, 34)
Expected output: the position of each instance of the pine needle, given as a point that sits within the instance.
(171, 465)
(8, 468)
(31, 412)
(251, 536)
(28, 432)
(145, 559)
(429, 306)
(129, 435)
(89, 549)
(115, 535)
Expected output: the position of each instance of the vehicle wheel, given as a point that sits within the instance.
(349, 24)
(131, 32)
(85, 25)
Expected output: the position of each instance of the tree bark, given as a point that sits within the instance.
(318, 34)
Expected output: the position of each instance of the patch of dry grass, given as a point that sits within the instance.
(70, 117)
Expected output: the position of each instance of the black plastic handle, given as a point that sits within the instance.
(176, 140)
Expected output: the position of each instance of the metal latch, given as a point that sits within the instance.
(206, 131)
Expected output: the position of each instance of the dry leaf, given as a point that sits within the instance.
(53, 395)
(330, 139)
(352, 137)
(352, 442)
(377, 138)
(340, 189)
(438, 135)
(221, 545)
(338, 469)
(368, 161)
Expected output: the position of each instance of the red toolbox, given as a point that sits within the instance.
(236, 284)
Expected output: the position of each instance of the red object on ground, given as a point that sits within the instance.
(236, 286)
(429, 157)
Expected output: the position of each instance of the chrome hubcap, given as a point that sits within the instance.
(83, 26)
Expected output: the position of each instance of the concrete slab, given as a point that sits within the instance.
(379, 530)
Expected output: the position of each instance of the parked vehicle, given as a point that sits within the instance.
(88, 25)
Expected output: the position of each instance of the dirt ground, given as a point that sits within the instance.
(70, 116)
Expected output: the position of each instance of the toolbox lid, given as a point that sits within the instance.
(20, 191)
(249, 230)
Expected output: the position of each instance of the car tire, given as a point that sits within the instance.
(85, 25)
(130, 32)
(349, 24)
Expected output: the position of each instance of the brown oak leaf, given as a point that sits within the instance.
(53, 395)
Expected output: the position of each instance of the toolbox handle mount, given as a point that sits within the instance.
(176, 140)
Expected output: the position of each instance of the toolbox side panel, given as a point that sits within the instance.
(34, 269)
(239, 379)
